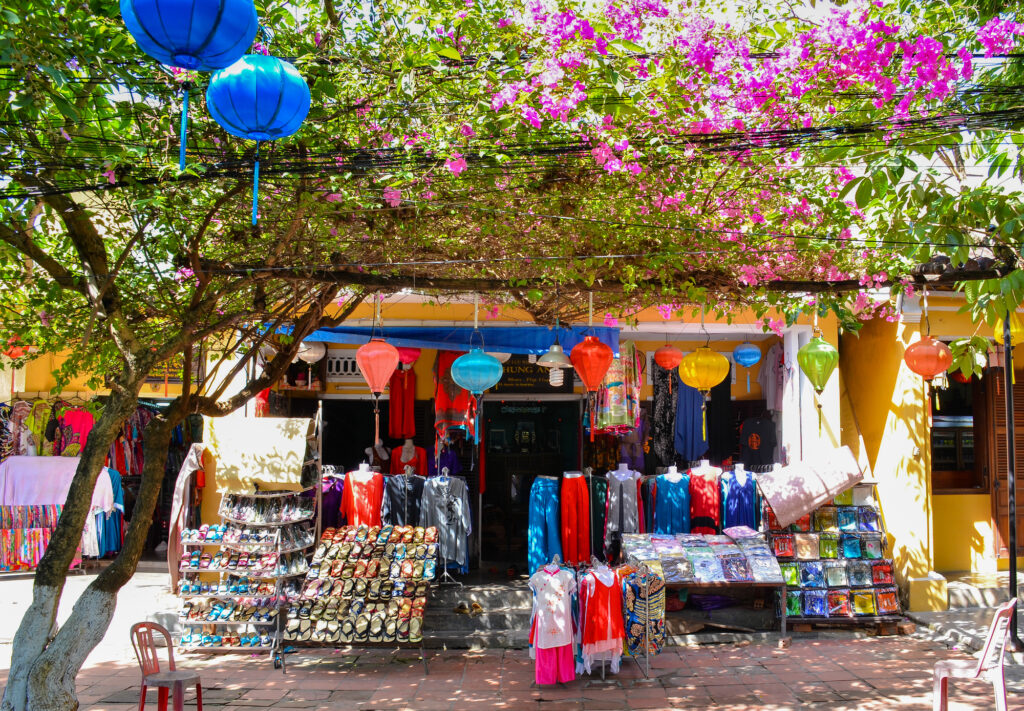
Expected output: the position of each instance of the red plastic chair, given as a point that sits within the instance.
(989, 667)
(149, 663)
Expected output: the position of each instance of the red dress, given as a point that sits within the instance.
(418, 462)
(601, 618)
(705, 502)
(362, 498)
(401, 404)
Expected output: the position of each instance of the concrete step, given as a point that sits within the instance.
(965, 630)
(965, 596)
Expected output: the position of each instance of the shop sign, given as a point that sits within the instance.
(522, 376)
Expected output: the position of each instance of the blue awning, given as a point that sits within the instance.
(503, 339)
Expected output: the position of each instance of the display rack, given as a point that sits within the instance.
(366, 582)
(841, 558)
(259, 563)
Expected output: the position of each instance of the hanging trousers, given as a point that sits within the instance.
(575, 520)
(543, 541)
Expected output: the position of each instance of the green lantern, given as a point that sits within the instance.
(817, 359)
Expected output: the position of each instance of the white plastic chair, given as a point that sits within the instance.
(988, 667)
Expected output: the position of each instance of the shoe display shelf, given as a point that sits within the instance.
(239, 574)
(834, 562)
(366, 586)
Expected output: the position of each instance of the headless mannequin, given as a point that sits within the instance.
(408, 450)
(377, 455)
(623, 472)
(673, 474)
(740, 472)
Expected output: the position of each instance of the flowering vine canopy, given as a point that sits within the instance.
(654, 152)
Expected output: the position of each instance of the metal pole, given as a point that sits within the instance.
(1011, 476)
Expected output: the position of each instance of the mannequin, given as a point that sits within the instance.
(705, 499)
(377, 456)
(623, 472)
(671, 502)
(673, 474)
(409, 455)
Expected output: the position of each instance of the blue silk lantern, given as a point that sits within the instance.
(198, 35)
(260, 98)
(747, 355)
(476, 371)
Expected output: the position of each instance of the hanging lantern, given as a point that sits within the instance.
(408, 356)
(555, 358)
(817, 359)
(476, 371)
(260, 98)
(591, 359)
(500, 357)
(1016, 330)
(668, 357)
(313, 352)
(377, 360)
(747, 355)
(703, 369)
(928, 357)
(216, 35)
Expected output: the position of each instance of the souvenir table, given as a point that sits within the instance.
(705, 562)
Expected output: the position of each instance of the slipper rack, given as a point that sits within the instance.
(240, 576)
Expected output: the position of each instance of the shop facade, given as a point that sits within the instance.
(937, 520)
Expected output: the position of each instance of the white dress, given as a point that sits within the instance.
(551, 622)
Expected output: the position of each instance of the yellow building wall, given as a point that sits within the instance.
(887, 429)
(964, 538)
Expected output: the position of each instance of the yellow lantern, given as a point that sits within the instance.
(1016, 330)
(703, 369)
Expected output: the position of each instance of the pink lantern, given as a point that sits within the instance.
(408, 356)
(377, 361)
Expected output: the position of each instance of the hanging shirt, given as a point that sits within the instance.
(418, 462)
(74, 426)
(551, 623)
(449, 460)
(757, 441)
(452, 404)
(401, 404)
(362, 498)
(689, 441)
(739, 499)
(663, 419)
(705, 501)
(445, 504)
(772, 377)
(644, 610)
(403, 496)
(623, 513)
(672, 504)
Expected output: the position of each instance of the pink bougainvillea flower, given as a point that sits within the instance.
(610, 321)
(393, 197)
(456, 164)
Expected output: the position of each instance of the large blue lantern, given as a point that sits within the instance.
(476, 371)
(260, 98)
(747, 355)
(198, 35)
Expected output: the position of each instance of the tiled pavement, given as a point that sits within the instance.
(873, 674)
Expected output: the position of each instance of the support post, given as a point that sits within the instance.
(1011, 475)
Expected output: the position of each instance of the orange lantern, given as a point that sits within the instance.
(668, 357)
(591, 359)
(928, 357)
(377, 361)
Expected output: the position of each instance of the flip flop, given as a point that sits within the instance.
(356, 608)
(333, 631)
(337, 568)
(361, 533)
(390, 630)
(430, 534)
(373, 592)
(360, 588)
(417, 570)
(416, 629)
(204, 560)
(346, 590)
(373, 568)
(362, 628)
(385, 533)
(348, 629)
(429, 569)
(403, 631)
(360, 569)
(475, 609)
(376, 632)
(396, 570)
(408, 534)
(319, 553)
(417, 534)
(421, 590)
(407, 569)
(400, 551)
(385, 589)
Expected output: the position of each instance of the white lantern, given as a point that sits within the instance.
(310, 353)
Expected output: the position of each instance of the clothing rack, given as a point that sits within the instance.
(445, 578)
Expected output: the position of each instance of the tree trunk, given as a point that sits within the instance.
(51, 682)
(31, 638)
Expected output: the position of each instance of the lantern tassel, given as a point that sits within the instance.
(376, 419)
(748, 380)
(704, 421)
(590, 403)
(818, 404)
(184, 130)
(256, 185)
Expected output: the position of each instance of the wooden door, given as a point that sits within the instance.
(997, 474)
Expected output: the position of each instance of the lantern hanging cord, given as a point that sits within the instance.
(256, 185)
(924, 312)
(184, 126)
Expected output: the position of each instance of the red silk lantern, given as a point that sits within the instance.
(928, 357)
(668, 357)
(591, 359)
(377, 361)
(408, 356)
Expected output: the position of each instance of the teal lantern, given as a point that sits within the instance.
(747, 355)
(261, 98)
(817, 359)
(476, 371)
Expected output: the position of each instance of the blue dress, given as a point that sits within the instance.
(739, 500)
(672, 504)
(690, 441)
(108, 527)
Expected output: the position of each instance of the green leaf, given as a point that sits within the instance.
(450, 53)
(863, 194)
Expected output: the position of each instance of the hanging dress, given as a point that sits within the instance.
(705, 501)
(362, 498)
(602, 629)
